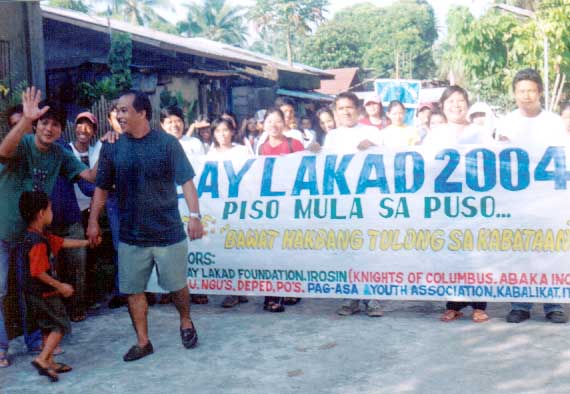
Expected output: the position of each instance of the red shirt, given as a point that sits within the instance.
(289, 145)
(39, 258)
(367, 122)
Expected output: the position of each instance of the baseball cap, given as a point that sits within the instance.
(372, 99)
(89, 116)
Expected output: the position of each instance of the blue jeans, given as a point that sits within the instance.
(527, 306)
(7, 250)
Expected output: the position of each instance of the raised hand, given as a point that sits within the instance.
(31, 98)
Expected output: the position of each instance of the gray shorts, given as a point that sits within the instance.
(136, 264)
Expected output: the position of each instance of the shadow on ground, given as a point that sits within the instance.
(309, 349)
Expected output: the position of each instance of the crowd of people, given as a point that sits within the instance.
(54, 192)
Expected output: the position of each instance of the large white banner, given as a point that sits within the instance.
(461, 223)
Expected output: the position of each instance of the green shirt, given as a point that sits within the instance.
(31, 169)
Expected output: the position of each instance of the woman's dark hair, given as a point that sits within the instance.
(395, 103)
(274, 110)
(16, 109)
(172, 110)
(230, 116)
(31, 203)
(141, 102)
(320, 132)
(325, 110)
(243, 132)
(528, 74)
(219, 121)
(281, 101)
(436, 112)
(451, 90)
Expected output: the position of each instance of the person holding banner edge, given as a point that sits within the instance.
(350, 136)
(277, 144)
(145, 167)
(530, 125)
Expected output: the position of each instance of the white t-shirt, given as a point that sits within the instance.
(448, 135)
(93, 155)
(347, 139)
(544, 129)
(237, 152)
(399, 136)
(192, 145)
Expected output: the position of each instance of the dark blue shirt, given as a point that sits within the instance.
(145, 172)
(63, 201)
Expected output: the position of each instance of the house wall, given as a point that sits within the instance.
(21, 51)
(21, 32)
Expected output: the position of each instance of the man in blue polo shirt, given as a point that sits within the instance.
(145, 166)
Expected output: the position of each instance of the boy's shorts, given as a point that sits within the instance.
(48, 314)
(136, 264)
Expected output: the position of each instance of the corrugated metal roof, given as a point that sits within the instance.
(305, 95)
(196, 46)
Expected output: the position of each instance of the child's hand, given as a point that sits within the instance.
(66, 290)
(92, 246)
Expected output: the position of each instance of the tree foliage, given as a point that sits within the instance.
(335, 45)
(288, 18)
(118, 61)
(75, 5)
(492, 48)
(216, 20)
(394, 41)
(138, 12)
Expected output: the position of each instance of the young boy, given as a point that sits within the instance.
(38, 279)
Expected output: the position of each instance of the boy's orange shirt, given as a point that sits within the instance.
(38, 255)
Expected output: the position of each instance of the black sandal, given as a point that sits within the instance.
(273, 304)
(49, 373)
(291, 300)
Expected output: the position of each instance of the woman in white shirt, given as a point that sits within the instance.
(398, 133)
(455, 104)
(223, 148)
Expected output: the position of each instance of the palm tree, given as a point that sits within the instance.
(75, 5)
(138, 12)
(289, 18)
(216, 20)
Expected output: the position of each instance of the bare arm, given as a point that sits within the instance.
(97, 204)
(74, 243)
(30, 100)
(65, 289)
(195, 229)
(90, 174)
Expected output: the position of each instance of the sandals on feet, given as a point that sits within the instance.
(479, 316)
(48, 372)
(450, 315)
(77, 318)
(291, 301)
(62, 368)
(200, 299)
(4, 361)
(273, 304)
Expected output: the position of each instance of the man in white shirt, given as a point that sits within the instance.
(349, 137)
(530, 125)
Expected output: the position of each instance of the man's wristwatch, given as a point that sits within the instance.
(195, 215)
